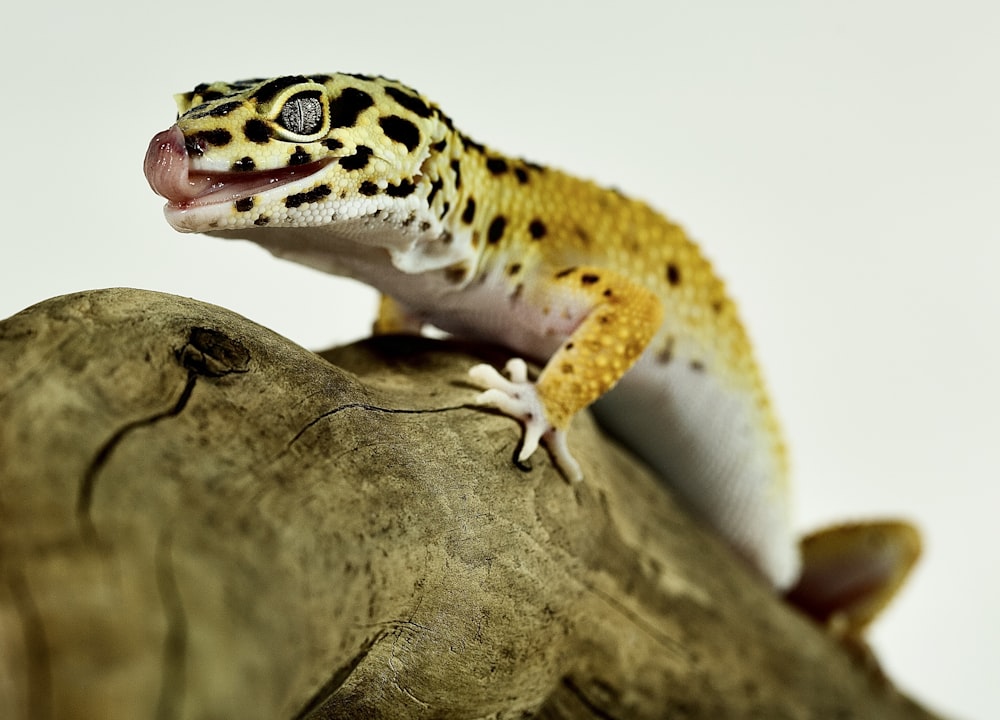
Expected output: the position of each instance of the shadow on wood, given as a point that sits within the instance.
(200, 519)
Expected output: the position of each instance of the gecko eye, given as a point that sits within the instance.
(302, 113)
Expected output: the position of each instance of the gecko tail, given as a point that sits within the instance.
(851, 572)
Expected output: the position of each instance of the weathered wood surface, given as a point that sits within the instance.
(200, 519)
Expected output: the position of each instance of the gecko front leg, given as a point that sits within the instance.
(620, 318)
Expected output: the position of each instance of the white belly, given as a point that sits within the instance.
(708, 444)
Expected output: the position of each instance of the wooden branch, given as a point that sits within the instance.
(199, 519)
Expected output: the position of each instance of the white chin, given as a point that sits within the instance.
(192, 219)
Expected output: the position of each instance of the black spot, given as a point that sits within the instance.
(405, 188)
(401, 130)
(361, 76)
(673, 274)
(244, 204)
(446, 238)
(440, 145)
(244, 164)
(410, 102)
(495, 231)
(521, 174)
(666, 353)
(332, 144)
(409, 220)
(456, 167)
(607, 293)
(589, 279)
(368, 188)
(299, 157)
(257, 131)
(357, 161)
(497, 166)
(435, 189)
(698, 366)
(345, 108)
(470, 144)
(210, 95)
(469, 214)
(268, 91)
(245, 84)
(321, 79)
(717, 306)
(315, 195)
(223, 109)
(537, 229)
(445, 207)
(534, 166)
(456, 273)
(582, 235)
(424, 226)
(201, 87)
(216, 137)
(261, 221)
(514, 269)
(567, 271)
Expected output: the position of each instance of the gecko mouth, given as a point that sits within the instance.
(169, 173)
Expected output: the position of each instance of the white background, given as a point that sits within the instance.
(839, 161)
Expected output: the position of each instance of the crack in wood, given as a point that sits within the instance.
(36, 648)
(85, 494)
(170, 703)
(372, 408)
(207, 352)
(577, 692)
(317, 702)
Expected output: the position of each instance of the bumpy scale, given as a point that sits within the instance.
(362, 176)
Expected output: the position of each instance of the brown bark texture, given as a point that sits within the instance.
(200, 519)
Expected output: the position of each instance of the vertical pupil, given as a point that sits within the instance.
(302, 115)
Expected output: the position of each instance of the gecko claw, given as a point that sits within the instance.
(533, 433)
(556, 441)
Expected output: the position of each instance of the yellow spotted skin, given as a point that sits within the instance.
(362, 176)
(639, 251)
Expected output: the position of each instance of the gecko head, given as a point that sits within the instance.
(295, 151)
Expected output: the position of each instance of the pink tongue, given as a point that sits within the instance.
(168, 170)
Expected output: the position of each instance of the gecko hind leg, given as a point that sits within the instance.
(395, 319)
(519, 398)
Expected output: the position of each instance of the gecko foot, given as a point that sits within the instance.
(519, 398)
